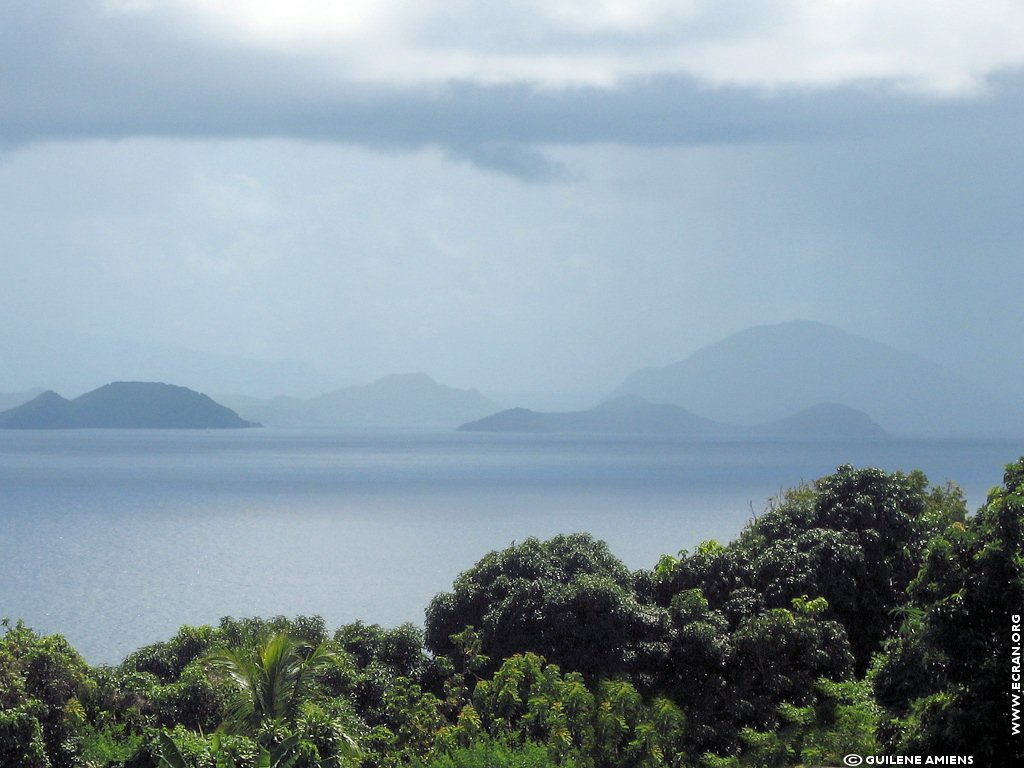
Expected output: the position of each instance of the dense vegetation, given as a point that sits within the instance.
(867, 613)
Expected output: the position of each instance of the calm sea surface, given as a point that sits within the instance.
(116, 538)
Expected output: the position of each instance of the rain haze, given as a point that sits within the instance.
(526, 198)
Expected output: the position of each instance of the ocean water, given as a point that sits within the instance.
(117, 538)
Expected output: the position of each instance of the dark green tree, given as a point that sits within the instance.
(42, 682)
(944, 677)
(568, 599)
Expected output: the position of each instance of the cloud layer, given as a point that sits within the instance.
(942, 46)
(477, 77)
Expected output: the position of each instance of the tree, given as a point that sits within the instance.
(880, 524)
(275, 696)
(943, 679)
(270, 683)
(528, 701)
(42, 681)
(568, 599)
(696, 669)
(780, 655)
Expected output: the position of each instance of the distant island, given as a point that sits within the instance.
(631, 414)
(800, 379)
(398, 401)
(124, 405)
(770, 372)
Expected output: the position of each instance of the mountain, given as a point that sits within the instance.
(398, 401)
(124, 405)
(630, 414)
(770, 372)
(47, 411)
(824, 420)
(9, 400)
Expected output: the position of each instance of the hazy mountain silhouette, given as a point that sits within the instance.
(824, 420)
(124, 405)
(631, 414)
(10, 400)
(628, 414)
(769, 372)
(399, 400)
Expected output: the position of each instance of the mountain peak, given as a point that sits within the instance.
(770, 372)
(831, 420)
(400, 400)
(124, 405)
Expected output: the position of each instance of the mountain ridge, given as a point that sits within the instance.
(399, 400)
(124, 405)
(767, 372)
(632, 414)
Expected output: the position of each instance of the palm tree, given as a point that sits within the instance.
(270, 685)
(270, 682)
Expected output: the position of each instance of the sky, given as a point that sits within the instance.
(529, 197)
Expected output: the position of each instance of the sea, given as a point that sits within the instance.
(116, 538)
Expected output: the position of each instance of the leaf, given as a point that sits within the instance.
(282, 755)
(170, 755)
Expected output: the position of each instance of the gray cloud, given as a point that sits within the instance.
(521, 161)
(71, 75)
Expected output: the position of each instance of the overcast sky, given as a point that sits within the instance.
(513, 196)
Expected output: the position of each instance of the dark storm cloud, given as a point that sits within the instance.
(68, 72)
(519, 160)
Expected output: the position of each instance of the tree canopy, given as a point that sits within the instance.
(865, 613)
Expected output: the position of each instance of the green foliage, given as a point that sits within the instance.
(41, 681)
(697, 668)
(732, 660)
(846, 718)
(270, 683)
(249, 632)
(944, 506)
(184, 750)
(166, 661)
(855, 538)
(715, 571)
(413, 717)
(496, 754)
(840, 720)
(528, 701)
(400, 649)
(567, 599)
(805, 606)
(21, 738)
(388, 684)
(190, 700)
(782, 657)
(111, 744)
(942, 678)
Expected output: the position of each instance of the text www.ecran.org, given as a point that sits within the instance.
(1015, 674)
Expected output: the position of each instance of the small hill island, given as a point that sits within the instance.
(124, 405)
(631, 414)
